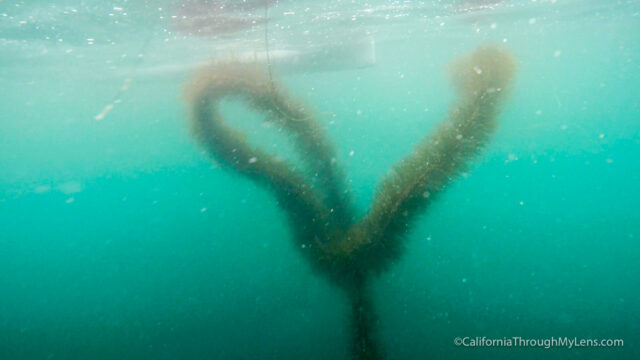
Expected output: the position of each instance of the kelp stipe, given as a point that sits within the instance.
(350, 253)
(482, 81)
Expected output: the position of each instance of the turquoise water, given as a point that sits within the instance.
(119, 239)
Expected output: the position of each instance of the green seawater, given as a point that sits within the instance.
(120, 239)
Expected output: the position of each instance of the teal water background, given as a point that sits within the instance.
(120, 240)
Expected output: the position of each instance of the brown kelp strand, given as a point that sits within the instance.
(318, 202)
(364, 329)
(482, 81)
(313, 210)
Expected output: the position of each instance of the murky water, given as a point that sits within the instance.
(121, 239)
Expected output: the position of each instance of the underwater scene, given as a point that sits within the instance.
(299, 179)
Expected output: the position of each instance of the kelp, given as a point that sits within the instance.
(319, 208)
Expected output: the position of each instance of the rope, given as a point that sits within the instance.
(269, 71)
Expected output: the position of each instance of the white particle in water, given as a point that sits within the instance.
(253, 160)
(532, 21)
(104, 112)
(477, 70)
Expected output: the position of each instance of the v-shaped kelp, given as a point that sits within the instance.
(347, 250)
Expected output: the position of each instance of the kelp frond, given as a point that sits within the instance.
(322, 219)
(482, 80)
(312, 211)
